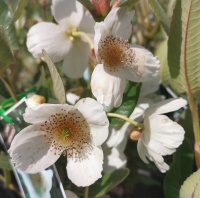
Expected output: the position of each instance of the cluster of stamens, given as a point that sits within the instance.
(115, 53)
(68, 133)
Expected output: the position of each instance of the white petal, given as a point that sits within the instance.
(86, 171)
(87, 24)
(142, 151)
(145, 66)
(107, 87)
(41, 113)
(118, 20)
(67, 13)
(166, 106)
(32, 154)
(150, 87)
(114, 159)
(162, 135)
(50, 37)
(72, 98)
(76, 60)
(118, 137)
(96, 117)
(100, 34)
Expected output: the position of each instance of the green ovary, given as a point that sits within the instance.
(65, 133)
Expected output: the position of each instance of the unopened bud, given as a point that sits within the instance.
(135, 134)
(102, 7)
(35, 100)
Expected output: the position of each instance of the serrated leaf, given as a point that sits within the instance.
(130, 98)
(191, 186)
(160, 13)
(18, 10)
(6, 56)
(180, 169)
(184, 47)
(5, 162)
(108, 182)
(58, 86)
(5, 22)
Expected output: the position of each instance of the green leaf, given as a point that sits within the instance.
(161, 52)
(184, 47)
(57, 81)
(18, 10)
(5, 22)
(108, 182)
(191, 186)
(160, 13)
(129, 3)
(180, 169)
(6, 56)
(42, 87)
(5, 162)
(129, 102)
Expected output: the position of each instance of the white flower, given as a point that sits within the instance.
(118, 61)
(161, 136)
(58, 39)
(77, 131)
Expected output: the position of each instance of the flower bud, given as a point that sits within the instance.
(135, 134)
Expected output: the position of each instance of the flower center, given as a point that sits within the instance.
(68, 132)
(115, 53)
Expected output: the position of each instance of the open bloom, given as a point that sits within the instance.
(161, 136)
(76, 131)
(118, 61)
(65, 40)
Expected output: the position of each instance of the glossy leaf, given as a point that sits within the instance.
(129, 102)
(58, 86)
(6, 56)
(108, 182)
(184, 47)
(191, 186)
(160, 13)
(19, 8)
(180, 169)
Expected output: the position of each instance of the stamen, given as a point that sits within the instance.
(115, 53)
(68, 132)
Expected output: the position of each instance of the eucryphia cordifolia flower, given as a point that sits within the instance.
(75, 131)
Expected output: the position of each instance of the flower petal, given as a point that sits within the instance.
(166, 106)
(107, 87)
(85, 172)
(67, 13)
(162, 135)
(32, 154)
(76, 60)
(113, 159)
(87, 24)
(145, 66)
(96, 117)
(50, 37)
(41, 113)
(118, 20)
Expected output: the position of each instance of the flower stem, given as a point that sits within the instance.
(115, 115)
(85, 36)
(86, 192)
(8, 87)
(195, 118)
